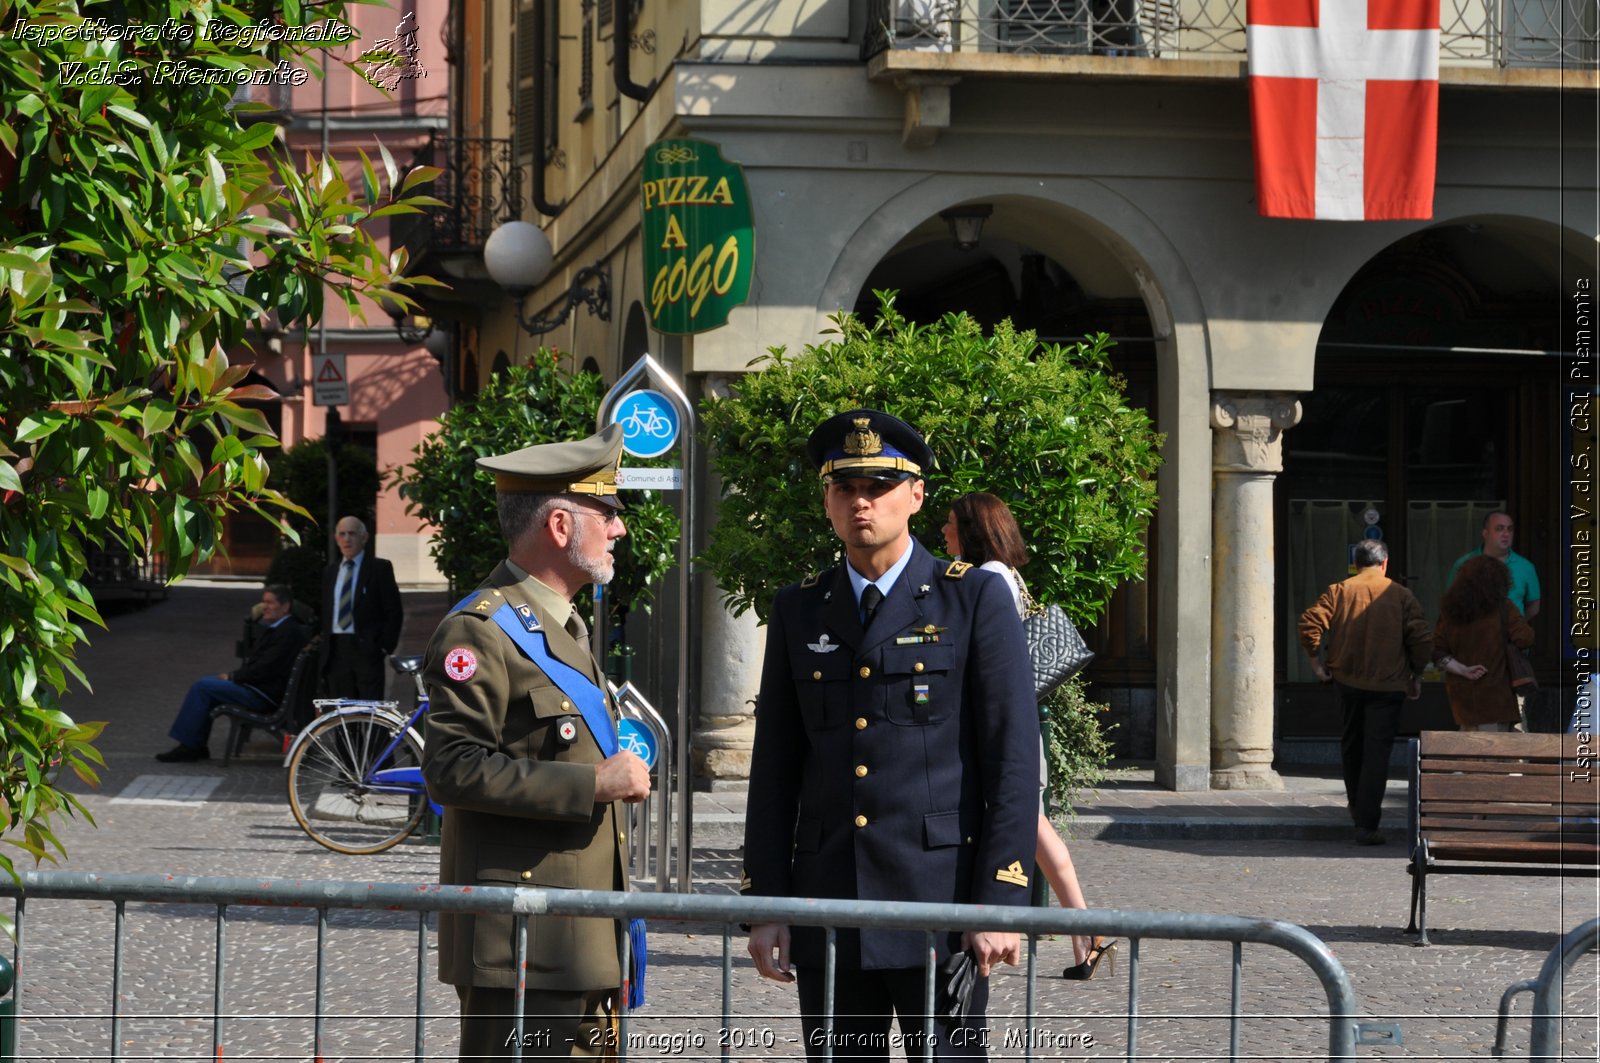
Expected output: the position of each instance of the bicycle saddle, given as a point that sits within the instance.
(408, 665)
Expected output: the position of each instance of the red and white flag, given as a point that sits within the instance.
(1344, 101)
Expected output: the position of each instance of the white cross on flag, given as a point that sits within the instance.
(1344, 101)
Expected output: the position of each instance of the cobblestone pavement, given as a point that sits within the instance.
(1281, 856)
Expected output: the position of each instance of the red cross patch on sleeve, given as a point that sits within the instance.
(460, 664)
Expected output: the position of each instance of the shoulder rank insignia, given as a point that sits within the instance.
(811, 581)
(525, 614)
(744, 881)
(957, 569)
(1013, 874)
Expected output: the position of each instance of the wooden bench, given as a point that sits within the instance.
(1501, 803)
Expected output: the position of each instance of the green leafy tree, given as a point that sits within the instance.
(521, 407)
(145, 228)
(1045, 427)
(300, 474)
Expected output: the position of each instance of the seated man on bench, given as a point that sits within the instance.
(259, 683)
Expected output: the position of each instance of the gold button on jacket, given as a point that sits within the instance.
(943, 661)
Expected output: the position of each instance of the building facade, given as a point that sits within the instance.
(1313, 379)
(396, 390)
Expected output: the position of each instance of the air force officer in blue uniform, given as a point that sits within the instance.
(896, 751)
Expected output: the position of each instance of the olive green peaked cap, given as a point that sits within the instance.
(583, 467)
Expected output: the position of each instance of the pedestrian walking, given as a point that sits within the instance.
(1368, 636)
(1476, 621)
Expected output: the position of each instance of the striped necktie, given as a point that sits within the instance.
(345, 613)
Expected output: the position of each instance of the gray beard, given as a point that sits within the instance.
(599, 571)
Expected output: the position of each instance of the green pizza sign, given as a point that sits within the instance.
(699, 240)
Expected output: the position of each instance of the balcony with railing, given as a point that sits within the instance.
(1473, 33)
(481, 188)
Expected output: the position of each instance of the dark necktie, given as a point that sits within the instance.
(346, 614)
(871, 598)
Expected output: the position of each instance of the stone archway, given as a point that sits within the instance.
(1115, 254)
(1435, 400)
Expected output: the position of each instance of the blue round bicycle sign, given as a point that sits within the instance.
(649, 423)
(638, 740)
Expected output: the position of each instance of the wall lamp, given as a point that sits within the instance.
(519, 258)
(966, 223)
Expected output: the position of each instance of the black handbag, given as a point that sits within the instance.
(1056, 648)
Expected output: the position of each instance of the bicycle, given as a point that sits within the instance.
(355, 772)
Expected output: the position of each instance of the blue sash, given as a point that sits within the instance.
(523, 629)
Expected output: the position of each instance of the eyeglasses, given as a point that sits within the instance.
(604, 518)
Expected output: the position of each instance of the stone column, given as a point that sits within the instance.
(730, 673)
(1247, 455)
(729, 666)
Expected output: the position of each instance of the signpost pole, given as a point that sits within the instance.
(330, 387)
(643, 428)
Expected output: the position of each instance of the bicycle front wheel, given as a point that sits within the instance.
(334, 791)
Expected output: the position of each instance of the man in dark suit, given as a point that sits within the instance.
(361, 615)
(522, 752)
(259, 683)
(896, 752)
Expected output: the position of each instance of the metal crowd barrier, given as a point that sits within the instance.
(1544, 1040)
(1344, 1032)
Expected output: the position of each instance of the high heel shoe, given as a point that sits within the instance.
(1082, 972)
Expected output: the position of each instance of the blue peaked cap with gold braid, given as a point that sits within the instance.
(868, 444)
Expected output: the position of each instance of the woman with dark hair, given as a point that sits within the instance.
(981, 531)
(1475, 621)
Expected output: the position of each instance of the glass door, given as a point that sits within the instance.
(1383, 452)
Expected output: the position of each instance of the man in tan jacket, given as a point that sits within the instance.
(514, 755)
(1369, 636)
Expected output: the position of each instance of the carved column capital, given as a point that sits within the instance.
(1249, 429)
(720, 385)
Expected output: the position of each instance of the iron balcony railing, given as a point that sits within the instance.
(1491, 33)
(481, 187)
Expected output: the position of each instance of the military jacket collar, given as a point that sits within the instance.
(550, 610)
(901, 610)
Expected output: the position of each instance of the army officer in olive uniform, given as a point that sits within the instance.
(530, 800)
(896, 750)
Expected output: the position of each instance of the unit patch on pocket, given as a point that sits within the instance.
(919, 693)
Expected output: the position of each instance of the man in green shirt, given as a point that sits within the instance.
(1497, 534)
